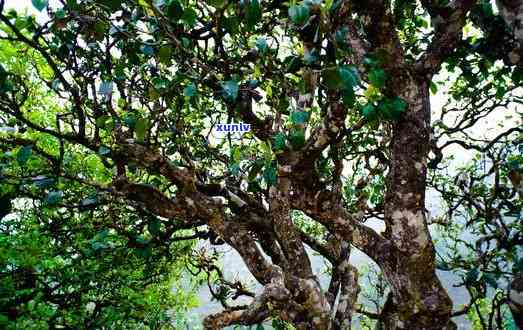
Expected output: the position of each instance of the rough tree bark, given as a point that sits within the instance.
(512, 13)
(258, 225)
(515, 297)
(418, 300)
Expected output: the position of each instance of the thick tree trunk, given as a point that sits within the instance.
(515, 300)
(418, 300)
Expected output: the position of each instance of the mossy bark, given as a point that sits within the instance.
(418, 300)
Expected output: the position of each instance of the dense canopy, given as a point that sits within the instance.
(116, 177)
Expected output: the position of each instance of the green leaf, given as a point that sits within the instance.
(236, 155)
(99, 28)
(144, 252)
(299, 117)
(278, 324)
(331, 78)
(89, 201)
(518, 265)
(40, 4)
(294, 64)
(189, 17)
(60, 14)
(262, 46)
(111, 4)
(164, 54)
(398, 106)
(343, 77)
(253, 12)
(490, 280)
(190, 90)
(299, 14)
(234, 169)
(433, 88)
(517, 74)
(23, 154)
(472, 276)
(216, 3)
(370, 61)
(141, 127)
(270, 175)
(186, 42)
(310, 56)
(349, 76)
(231, 24)
(122, 103)
(255, 169)
(348, 97)
(154, 227)
(377, 77)
(104, 150)
(147, 50)
(230, 90)
(266, 150)
(103, 121)
(130, 120)
(279, 141)
(420, 22)
(392, 108)
(297, 138)
(106, 88)
(260, 327)
(54, 197)
(160, 83)
(174, 10)
(486, 8)
(253, 83)
(3, 74)
(369, 111)
(341, 35)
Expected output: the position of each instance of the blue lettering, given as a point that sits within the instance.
(241, 127)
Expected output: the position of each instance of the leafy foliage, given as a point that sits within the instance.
(110, 168)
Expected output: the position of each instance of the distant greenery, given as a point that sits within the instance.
(57, 268)
(80, 266)
(114, 181)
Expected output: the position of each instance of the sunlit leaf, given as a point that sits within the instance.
(40, 4)
(230, 90)
(253, 12)
(377, 77)
(106, 88)
(299, 14)
(279, 141)
(297, 138)
(369, 111)
(299, 117)
(174, 10)
(23, 154)
(54, 197)
(190, 90)
(141, 127)
(270, 175)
